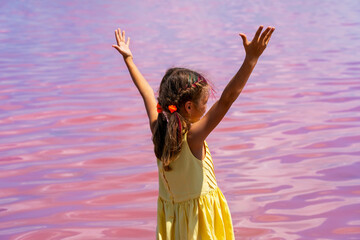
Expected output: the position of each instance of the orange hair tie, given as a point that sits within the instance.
(172, 108)
(159, 108)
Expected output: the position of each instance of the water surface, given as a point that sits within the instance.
(76, 158)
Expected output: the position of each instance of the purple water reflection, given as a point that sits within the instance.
(76, 160)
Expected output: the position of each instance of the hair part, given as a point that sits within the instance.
(178, 86)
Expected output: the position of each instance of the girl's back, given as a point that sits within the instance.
(190, 204)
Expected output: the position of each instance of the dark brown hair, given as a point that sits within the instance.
(178, 86)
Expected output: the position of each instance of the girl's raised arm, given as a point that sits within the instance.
(140, 82)
(201, 129)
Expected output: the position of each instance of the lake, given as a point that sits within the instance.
(76, 156)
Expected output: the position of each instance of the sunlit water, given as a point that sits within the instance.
(76, 158)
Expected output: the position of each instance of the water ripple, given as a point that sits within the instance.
(76, 158)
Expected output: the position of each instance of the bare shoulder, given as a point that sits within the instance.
(196, 146)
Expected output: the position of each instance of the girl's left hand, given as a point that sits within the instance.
(121, 46)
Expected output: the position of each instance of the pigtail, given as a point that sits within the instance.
(159, 134)
(168, 137)
(171, 140)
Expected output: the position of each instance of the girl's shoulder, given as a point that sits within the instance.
(197, 148)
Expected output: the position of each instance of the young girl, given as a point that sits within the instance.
(190, 204)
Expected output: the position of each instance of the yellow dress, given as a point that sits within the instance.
(190, 204)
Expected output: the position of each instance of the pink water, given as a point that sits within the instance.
(76, 159)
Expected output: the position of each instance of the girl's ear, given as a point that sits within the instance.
(188, 107)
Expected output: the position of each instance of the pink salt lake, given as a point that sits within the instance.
(76, 158)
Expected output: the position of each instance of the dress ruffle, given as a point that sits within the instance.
(205, 217)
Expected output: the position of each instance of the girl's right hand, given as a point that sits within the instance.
(258, 44)
(121, 46)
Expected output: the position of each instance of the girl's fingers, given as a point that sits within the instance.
(245, 41)
(257, 34)
(263, 35)
(119, 34)
(117, 37)
(120, 37)
(268, 36)
(116, 47)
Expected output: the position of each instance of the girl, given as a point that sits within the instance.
(190, 204)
